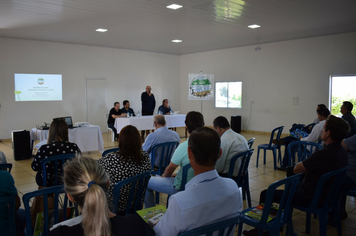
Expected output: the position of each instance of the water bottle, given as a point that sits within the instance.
(138, 114)
(171, 112)
(128, 114)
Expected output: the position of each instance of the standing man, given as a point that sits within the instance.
(148, 102)
(114, 113)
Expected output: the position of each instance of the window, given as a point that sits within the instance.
(228, 94)
(342, 88)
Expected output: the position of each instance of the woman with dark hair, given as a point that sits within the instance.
(131, 160)
(85, 183)
(57, 144)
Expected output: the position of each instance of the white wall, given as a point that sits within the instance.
(271, 78)
(127, 72)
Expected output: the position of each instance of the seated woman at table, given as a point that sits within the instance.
(85, 183)
(57, 144)
(164, 109)
(131, 160)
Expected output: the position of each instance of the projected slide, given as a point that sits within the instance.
(38, 87)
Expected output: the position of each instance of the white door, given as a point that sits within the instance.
(96, 97)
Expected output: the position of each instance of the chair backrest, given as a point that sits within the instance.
(109, 151)
(136, 186)
(54, 191)
(224, 227)
(166, 151)
(278, 136)
(332, 181)
(284, 209)
(243, 170)
(250, 142)
(184, 176)
(57, 162)
(303, 152)
(7, 204)
(6, 166)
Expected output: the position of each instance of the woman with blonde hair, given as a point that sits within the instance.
(57, 144)
(131, 160)
(85, 183)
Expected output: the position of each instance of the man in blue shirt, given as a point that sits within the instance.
(148, 102)
(161, 135)
(164, 108)
(208, 198)
(126, 109)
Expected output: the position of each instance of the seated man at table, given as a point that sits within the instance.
(161, 135)
(207, 198)
(114, 113)
(164, 108)
(170, 183)
(332, 157)
(126, 109)
(232, 144)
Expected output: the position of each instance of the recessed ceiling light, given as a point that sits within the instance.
(176, 41)
(174, 6)
(254, 26)
(101, 30)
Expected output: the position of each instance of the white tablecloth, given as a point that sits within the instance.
(88, 138)
(146, 122)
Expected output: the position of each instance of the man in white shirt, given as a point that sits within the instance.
(232, 144)
(161, 135)
(207, 198)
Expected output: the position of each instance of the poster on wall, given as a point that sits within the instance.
(201, 87)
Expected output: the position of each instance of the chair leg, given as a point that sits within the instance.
(240, 229)
(264, 156)
(258, 154)
(274, 158)
(307, 223)
(323, 221)
(157, 197)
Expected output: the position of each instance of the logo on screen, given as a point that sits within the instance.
(40, 81)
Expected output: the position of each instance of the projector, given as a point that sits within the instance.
(81, 124)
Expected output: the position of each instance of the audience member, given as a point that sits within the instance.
(57, 144)
(7, 188)
(114, 113)
(346, 109)
(148, 102)
(170, 183)
(316, 121)
(129, 161)
(314, 136)
(161, 135)
(332, 157)
(126, 109)
(232, 144)
(349, 181)
(164, 108)
(85, 183)
(200, 204)
(2, 158)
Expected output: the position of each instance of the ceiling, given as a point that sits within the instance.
(148, 25)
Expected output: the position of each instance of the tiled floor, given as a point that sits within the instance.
(260, 178)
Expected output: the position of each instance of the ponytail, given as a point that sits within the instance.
(85, 180)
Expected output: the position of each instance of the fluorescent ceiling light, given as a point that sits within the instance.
(174, 6)
(176, 41)
(101, 30)
(254, 26)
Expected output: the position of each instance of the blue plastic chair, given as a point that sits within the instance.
(219, 227)
(242, 179)
(7, 203)
(250, 142)
(284, 213)
(58, 162)
(302, 150)
(6, 166)
(331, 203)
(109, 151)
(56, 191)
(183, 182)
(271, 146)
(136, 186)
(167, 150)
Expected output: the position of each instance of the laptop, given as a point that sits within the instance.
(68, 120)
